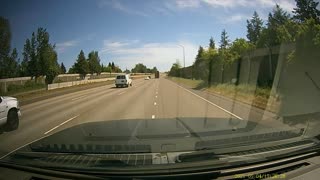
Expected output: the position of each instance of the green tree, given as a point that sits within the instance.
(81, 65)
(72, 70)
(63, 68)
(5, 38)
(306, 9)
(113, 67)
(50, 66)
(40, 57)
(271, 36)
(199, 63)
(212, 44)
(239, 47)
(139, 68)
(94, 62)
(154, 70)
(175, 69)
(254, 28)
(224, 42)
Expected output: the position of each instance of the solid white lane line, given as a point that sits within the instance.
(210, 102)
(155, 103)
(153, 116)
(61, 124)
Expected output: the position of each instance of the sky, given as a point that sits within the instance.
(128, 32)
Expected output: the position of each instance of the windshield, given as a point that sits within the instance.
(207, 81)
(121, 77)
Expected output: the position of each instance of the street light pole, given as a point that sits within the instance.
(184, 56)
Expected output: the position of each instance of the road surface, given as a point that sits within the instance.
(146, 99)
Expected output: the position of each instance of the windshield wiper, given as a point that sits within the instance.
(253, 154)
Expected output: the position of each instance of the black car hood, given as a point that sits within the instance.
(156, 135)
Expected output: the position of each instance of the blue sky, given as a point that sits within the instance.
(132, 31)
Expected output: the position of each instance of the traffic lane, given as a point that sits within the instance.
(34, 125)
(183, 102)
(135, 103)
(70, 97)
(174, 101)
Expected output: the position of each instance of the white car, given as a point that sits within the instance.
(146, 78)
(123, 80)
(9, 113)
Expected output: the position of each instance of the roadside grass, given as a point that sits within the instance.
(189, 82)
(249, 94)
(29, 86)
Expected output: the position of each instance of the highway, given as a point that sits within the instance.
(146, 99)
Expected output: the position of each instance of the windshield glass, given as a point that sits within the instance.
(127, 83)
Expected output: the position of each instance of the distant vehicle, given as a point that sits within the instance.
(147, 78)
(123, 80)
(9, 113)
(157, 75)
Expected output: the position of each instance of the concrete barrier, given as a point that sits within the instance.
(75, 83)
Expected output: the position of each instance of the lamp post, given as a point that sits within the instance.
(184, 56)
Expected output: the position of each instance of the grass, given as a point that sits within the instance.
(249, 94)
(27, 87)
(189, 82)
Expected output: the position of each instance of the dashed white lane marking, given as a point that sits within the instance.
(121, 93)
(62, 124)
(155, 103)
(156, 96)
(80, 97)
(153, 116)
(210, 102)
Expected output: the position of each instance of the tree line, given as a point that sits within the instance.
(91, 65)
(302, 29)
(141, 68)
(39, 58)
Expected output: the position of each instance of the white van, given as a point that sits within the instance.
(123, 80)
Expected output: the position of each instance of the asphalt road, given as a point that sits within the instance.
(146, 99)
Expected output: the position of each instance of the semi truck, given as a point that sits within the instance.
(157, 74)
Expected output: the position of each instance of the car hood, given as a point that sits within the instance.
(155, 135)
(8, 98)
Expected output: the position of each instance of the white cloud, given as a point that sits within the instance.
(161, 55)
(61, 47)
(287, 5)
(187, 3)
(121, 7)
(235, 18)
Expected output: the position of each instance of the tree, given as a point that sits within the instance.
(63, 68)
(175, 69)
(306, 9)
(5, 38)
(94, 62)
(112, 66)
(199, 61)
(154, 70)
(270, 36)
(254, 28)
(50, 66)
(139, 68)
(239, 47)
(224, 42)
(212, 43)
(40, 57)
(81, 65)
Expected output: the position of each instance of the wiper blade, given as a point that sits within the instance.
(253, 154)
